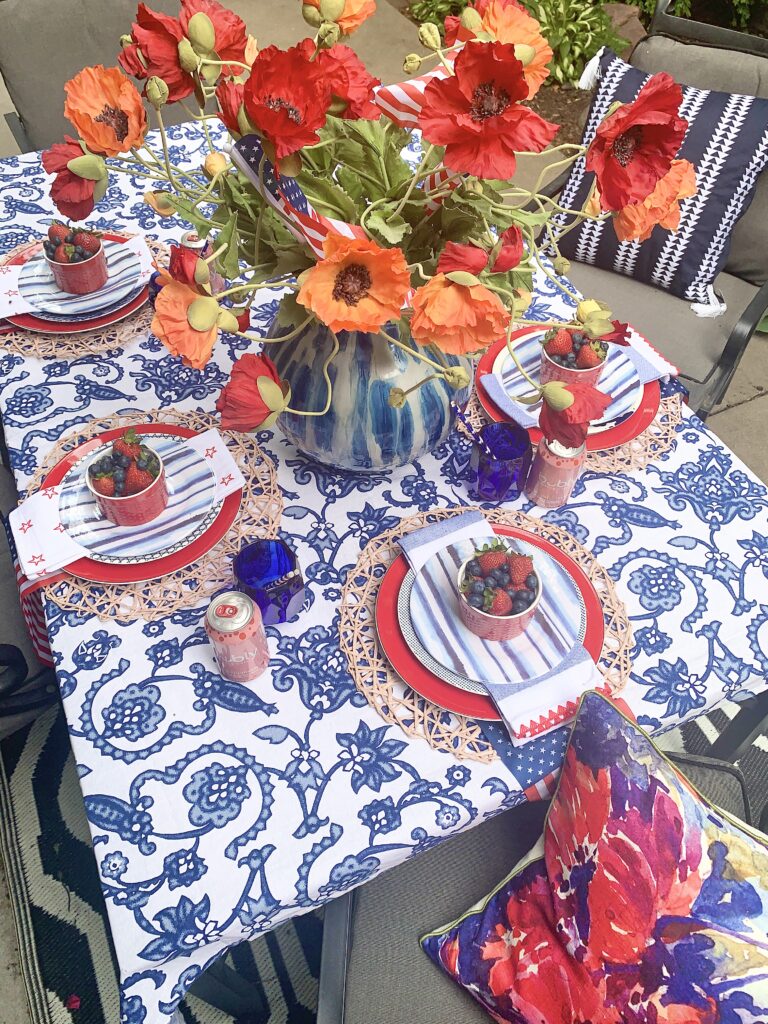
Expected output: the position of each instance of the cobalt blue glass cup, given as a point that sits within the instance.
(268, 572)
(499, 466)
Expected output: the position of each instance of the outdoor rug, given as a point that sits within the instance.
(59, 910)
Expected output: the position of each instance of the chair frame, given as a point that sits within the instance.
(718, 380)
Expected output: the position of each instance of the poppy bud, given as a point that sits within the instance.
(227, 321)
(338, 106)
(245, 126)
(88, 166)
(462, 277)
(203, 313)
(251, 51)
(187, 56)
(272, 394)
(561, 265)
(202, 273)
(100, 189)
(157, 92)
(159, 203)
(470, 19)
(412, 63)
(332, 10)
(557, 396)
(396, 398)
(214, 163)
(456, 377)
(290, 166)
(126, 41)
(473, 186)
(201, 33)
(210, 72)
(429, 36)
(328, 34)
(524, 53)
(312, 16)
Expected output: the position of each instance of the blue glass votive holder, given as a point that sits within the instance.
(499, 465)
(268, 572)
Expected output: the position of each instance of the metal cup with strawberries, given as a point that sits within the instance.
(128, 483)
(499, 592)
(569, 356)
(76, 258)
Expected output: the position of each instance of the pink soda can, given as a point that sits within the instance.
(234, 627)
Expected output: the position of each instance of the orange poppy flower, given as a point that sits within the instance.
(358, 286)
(661, 207)
(106, 109)
(355, 13)
(171, 326)
(457, 318)
(508, 23)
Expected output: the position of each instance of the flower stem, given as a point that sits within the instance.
(424, 161)
(327, 363)
(411, 352)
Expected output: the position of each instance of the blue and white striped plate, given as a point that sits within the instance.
(428, 615)
(191, 509)
(619, 379)
(37, 286)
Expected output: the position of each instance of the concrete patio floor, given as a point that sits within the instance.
(740, 421)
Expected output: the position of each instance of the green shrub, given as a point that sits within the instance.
(575, 29)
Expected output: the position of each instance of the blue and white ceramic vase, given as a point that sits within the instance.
(361, 431)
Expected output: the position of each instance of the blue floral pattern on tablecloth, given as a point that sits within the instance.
(218, 809)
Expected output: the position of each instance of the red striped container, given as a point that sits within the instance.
(81, 278)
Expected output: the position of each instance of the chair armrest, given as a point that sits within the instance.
(337, 940)
(555, 187)
(700, 761)
(720, 376)
(13, 670)
(16, 128)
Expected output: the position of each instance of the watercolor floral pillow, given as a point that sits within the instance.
(641, 904)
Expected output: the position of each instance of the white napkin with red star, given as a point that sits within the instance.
(42, 542)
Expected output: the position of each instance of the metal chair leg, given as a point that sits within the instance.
(337, 942)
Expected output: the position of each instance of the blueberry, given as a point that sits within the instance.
(571, 359)
(476, 600)
(518, 605)
(503, 578)
(474, 567)
(531, 581)
(577, 336)
(124, 461)
(478, 587)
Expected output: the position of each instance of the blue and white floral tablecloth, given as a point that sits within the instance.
(219, 811)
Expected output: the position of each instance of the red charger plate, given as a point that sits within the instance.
(622, 433)
(426, 683)
(102, 572)
(31, 322)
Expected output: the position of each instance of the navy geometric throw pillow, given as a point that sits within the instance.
(726, 141)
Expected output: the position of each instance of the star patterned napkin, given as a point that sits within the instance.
(533, 707)
(649, 364)
(12, 303)
(42, 541)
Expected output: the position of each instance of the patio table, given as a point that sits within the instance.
(213, 821)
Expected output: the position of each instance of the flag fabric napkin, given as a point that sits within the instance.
(649, 364)
(12, 303)
(533, 707)
(42, 542)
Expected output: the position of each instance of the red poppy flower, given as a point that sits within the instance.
(230, 98)
(634, 147)
(511, 250)
(286, 98)
(477, 116)
(157, 36)
(569, 426)
(456, 256)
(182, 263)
(453, 27)
(255, 396)
(73, 196)
(231, 32)
(349, 81)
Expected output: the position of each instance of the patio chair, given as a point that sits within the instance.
(707, 351)
(373, 971)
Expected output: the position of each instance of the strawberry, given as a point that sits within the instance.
(561, 344)
(137, 479)
(128, 444)
(500, 603)
(58, 232)
(520, 568)
(87, 240)
(104, 485)
(588, 358)
(490, 560)
(63, 253)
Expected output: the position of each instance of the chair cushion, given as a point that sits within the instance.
(644, 902)
(727, 141)
(709, 67)
(692, 343)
